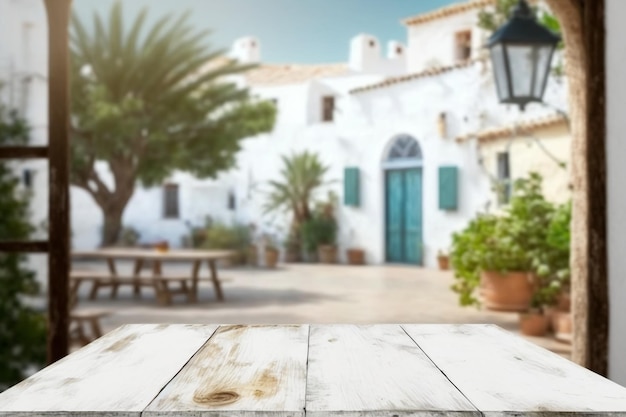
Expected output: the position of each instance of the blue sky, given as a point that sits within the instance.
(299, 31)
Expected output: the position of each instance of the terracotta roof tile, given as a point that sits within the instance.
(525, 127)
(447, 11)
(278, 74)
(409, 77)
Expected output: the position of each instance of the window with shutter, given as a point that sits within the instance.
(170, 201)
(328, 108)
(504, 178)
(448, 188)
(351, 190)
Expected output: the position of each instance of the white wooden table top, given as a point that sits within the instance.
(316, 370)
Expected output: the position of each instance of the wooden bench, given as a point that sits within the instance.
(100, 279)
(85, 325)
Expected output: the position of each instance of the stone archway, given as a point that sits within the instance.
(583, 26)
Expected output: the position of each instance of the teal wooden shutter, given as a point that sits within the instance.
(351, 187)
(448, 188)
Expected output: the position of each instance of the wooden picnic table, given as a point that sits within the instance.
(316, 370)
(159, 281)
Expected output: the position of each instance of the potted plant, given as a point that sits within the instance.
(319, 232)
(496, 254)
(271, 251)
(551, 261)
(443, 259)
(535, 321)
(292, 248)
(356, 256)
(326, 239)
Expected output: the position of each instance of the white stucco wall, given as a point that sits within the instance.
(616, 172)
(527, 155)
(467, 96)
(433, 43)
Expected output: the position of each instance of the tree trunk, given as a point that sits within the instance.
(582, 24)
(112, 223)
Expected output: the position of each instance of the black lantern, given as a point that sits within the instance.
(521, 53)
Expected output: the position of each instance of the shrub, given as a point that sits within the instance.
(22, 329)
(232, 237)
(532, 235)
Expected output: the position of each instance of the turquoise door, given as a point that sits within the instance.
(403, 216)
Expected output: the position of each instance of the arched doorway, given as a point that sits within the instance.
(402, 168)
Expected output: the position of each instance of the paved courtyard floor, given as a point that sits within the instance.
(308, 293)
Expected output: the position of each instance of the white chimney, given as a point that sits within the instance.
(364, 53)
(395, 50)
(247, 50)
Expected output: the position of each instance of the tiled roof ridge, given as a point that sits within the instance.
(422, 74)
(524, 127)
(284, 74)
(447, 11)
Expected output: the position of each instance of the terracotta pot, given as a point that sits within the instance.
(327, 254)
(506, 292)
(271, 257)
(355, 256)
(253, 255)
(551, 313)
(162, 246)
(292, 255)
(533, 324)
(444, 262)
(562, 324)
(564, 302)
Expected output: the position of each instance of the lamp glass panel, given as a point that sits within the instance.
(500, 72)
(523, 62)
(544, 54)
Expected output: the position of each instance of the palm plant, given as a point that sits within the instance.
(302, 174)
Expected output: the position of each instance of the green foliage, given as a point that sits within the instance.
(302, 174)
(531, 236)
(552, 262)
(321, 228)
(468, 250)
(22, 329)
(146, 101)
(129, 236)
(232, 237)
(490, 20)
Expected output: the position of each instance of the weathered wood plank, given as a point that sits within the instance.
(24, 246)
(58, 12)
(117, 375)
(504, 375)
(376, 371)
(23, 152)
(242, 371)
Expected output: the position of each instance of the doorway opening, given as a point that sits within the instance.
(403, 201)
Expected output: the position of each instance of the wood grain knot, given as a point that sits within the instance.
(217, 398)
